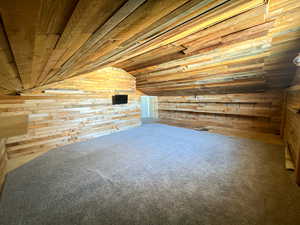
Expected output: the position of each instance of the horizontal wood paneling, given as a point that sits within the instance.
(57, 118)
(13, 125)
(53, 122)
(254, 112)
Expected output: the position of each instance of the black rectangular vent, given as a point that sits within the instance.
(119, 99)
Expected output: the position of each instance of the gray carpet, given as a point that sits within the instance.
(154, 175)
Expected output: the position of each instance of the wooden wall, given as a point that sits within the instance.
(252, 113)
(69, 112)
(9, 126)
(292, 122)
(3, 161)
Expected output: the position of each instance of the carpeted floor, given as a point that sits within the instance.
(154, 175)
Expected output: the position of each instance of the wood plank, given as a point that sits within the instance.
(149, 38)
(53, 17)
(291, 124)
(20, 26)
(3, 164)
(13, 125)
(135, 23)
(196, 25)
(57, 118)
(9, 74)
(82, 24)
(255, 112)
(96, 39)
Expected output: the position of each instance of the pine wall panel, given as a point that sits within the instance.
(70, 111)
(256, 113)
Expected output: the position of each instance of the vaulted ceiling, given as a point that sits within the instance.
(172, 47)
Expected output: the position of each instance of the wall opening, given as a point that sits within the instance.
(149, 108)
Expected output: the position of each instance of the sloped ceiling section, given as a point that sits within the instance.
(102, 81)
(172, 47)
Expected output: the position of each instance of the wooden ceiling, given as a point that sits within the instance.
(172, 47)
